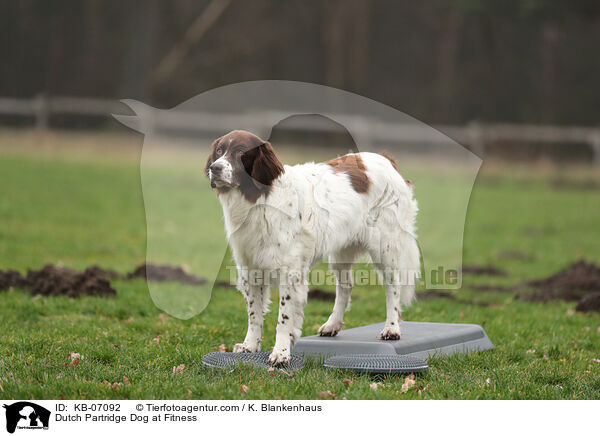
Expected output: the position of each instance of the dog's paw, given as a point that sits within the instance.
(331, 328)
(244, 348)
(390, 333)
(279, 358)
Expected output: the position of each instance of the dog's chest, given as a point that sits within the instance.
(269, 236)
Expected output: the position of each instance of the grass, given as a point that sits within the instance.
(82, 208)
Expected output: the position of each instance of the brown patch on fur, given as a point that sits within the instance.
(395, 165)
(352, 165)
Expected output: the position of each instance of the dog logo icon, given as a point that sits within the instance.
(26, 415)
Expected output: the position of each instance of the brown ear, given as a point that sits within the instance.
(262, 165)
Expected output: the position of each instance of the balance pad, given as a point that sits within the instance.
(419, 339)
(360, 349)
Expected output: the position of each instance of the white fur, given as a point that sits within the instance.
(312, 213)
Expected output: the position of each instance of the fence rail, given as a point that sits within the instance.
(474, 135)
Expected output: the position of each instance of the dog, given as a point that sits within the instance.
(282, 220)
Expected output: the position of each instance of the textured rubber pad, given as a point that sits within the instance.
(377, 363)
(260, 360)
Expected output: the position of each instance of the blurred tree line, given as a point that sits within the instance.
(440, 61)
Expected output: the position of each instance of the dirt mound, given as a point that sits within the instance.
(51, 280)
(490, 288)
(434, 293)
(103, 272)
(224, 284)
(571, 284)
(164, 273)
(483, 270)
(589, 303)
(11, 279)
(321, 294)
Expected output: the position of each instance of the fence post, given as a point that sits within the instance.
(595, 142)
(41, 110)
(476, 138)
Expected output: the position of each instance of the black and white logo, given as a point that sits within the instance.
(26, 415)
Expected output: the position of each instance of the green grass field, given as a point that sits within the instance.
(86, 207)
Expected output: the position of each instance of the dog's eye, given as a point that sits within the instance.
(219, 151)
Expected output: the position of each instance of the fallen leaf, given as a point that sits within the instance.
(244, 389)
(289, 374)
(222, 348)
(545, 357)
(327, 395)
(570, 312)
(156, 340)
(487, 381)
(179, 368)
(586, 329)
(531, 351)
(461, 315)
(75, 359)
(59, 376)
(128, 320)
(347, 382)
(126, 381)
(116, 385)
(409, 382)
(1, 388)
(163, 317)
(596, 360)
(374, 386)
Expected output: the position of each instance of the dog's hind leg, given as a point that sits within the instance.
(398, 268)
(257, 303)
(341, 266)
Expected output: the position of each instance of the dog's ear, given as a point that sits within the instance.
(262, 165)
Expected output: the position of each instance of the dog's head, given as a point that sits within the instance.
(242, 160)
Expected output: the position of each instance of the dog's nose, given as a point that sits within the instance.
(215, 168)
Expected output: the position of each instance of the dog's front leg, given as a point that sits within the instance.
(292, 299)
(257, 303)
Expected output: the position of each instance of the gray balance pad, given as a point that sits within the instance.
(377, 363)
(223, 360)
(419, 339)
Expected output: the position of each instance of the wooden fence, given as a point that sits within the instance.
(474, 135)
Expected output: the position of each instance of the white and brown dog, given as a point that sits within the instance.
(286, 219)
